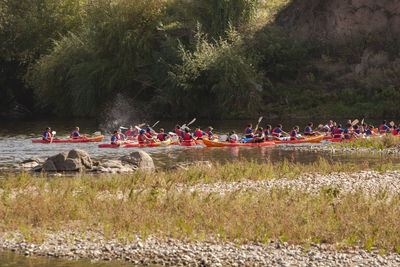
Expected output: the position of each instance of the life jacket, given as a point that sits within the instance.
(293, 134)
(149, 135)
(187, 137)
(337, 133)
(198, 134)
(161, 136)
(358, 131)
(178, 132)
(332, 129)
(248, 132)
(307, 130)
(274, 133)
(130, 133)
(346, 133)
(114, 138)
(266, 132)
(75, 135)
(383, 128)
(46, 136)
(233, 140)
(368, 132)
(141, 139)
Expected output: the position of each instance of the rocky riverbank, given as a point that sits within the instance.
(173, 252)
(333, 148)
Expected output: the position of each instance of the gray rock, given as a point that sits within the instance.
(140, 159)
(49, 166)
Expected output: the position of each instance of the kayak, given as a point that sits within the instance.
(211, 143)
(311, 139)
(78, 140)
(127, 145)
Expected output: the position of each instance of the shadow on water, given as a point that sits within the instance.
(8, 259)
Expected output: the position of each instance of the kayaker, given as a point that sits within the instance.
(338, 133)
(210, 134)
(233, 137)
(267, 132)
(248, 132)
(198, 134)
(149, 133)
(327, 127)
(131, 133)
(143, 138)
(186, 136)
(278, 132)
(308, 130)
(384, 128)
(333, 127)
(121, 137)
(370, 131)
(259, 137)
(75, 134)
(356, 131)
(115, 138)
(396, 130)
(178, 130)
(348, 131)
(47, 136)
(294, 133)
(162, 136)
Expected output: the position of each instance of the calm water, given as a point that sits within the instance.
(16, 145)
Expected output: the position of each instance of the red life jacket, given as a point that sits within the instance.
(73, 134)
(336, 133)
(307, 131)
(198, 134)
(149, 135)
(160, 136)
(115, 135)
(141, 139)
(46, 138)
(274, 133)
(129, 133)
(178, 132)
(187, 137)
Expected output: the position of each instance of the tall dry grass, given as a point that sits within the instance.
(375, 142)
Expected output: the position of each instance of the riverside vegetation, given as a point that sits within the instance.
(228, 59)
(156, 204)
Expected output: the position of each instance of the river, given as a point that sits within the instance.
(16, 145)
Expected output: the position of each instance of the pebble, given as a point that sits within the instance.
(173, 252)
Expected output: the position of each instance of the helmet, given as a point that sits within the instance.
(142, 131)
(148, 129)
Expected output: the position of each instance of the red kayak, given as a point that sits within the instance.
(78, 140)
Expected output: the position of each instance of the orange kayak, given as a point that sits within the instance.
(210, 143)
(78, 140)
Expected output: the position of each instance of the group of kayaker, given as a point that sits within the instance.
(48, 135)
(331, 128)
(148, 135)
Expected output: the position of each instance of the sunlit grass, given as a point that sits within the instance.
(374, 142)
(154, 205)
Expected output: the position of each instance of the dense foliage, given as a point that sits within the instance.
(179, 58)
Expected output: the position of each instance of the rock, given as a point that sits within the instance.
(113, 166)
(49, 166)
(70, 160)
(140, 159)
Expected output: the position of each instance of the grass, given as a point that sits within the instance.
(378, 143)
(34, 205)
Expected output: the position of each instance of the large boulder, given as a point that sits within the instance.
(139, 159)
(71, 160)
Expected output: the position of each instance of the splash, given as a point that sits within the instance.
(122, 112)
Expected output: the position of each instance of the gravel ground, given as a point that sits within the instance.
(172, 252)
(332, 148)
(371, 182)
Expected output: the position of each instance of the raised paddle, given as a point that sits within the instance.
(155, 124)
(53, 133)
(186, 125)
(258, 123)
(354, 122)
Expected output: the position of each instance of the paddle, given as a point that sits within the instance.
(354, 122)
(186, 125)
(258, 123)
(155, 124)
(53, 133)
